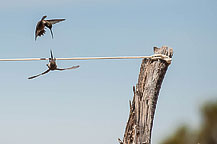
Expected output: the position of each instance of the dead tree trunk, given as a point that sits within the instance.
(142, 109)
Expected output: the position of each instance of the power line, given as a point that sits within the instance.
(156, 56)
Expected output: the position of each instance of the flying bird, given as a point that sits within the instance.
(53, 66)
(40, 27)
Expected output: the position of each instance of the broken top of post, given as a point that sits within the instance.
(142, 109)
(164, 50)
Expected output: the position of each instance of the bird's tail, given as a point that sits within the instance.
(43, 17)
(51, 32)
(51, 54)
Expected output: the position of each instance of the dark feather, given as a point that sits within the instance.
(54, 21)
(74, 67)
(39, 74)
(39, 31)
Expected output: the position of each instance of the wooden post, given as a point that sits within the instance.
(142, 109)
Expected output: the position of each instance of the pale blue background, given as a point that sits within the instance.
(90, 104)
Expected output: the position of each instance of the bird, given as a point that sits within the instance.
(53, 66)
(40, 27)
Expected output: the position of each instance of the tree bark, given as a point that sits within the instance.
(142, 109)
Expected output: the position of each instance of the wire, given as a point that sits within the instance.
(155, 56)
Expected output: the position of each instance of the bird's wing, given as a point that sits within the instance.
(54, 21)
(74, 67)
(36, 31)
(39, 30)
(39, 74)
(39, 33)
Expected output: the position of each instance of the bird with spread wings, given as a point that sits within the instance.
(40, 27)
(53, 66)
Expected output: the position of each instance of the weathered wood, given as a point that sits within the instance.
(142, 109)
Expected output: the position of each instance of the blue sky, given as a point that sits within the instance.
(90, 104)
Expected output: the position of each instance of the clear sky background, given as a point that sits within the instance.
(90, 104)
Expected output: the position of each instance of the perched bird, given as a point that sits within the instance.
(53, 66)
(40, 27)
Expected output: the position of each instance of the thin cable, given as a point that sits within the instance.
(156, 56)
